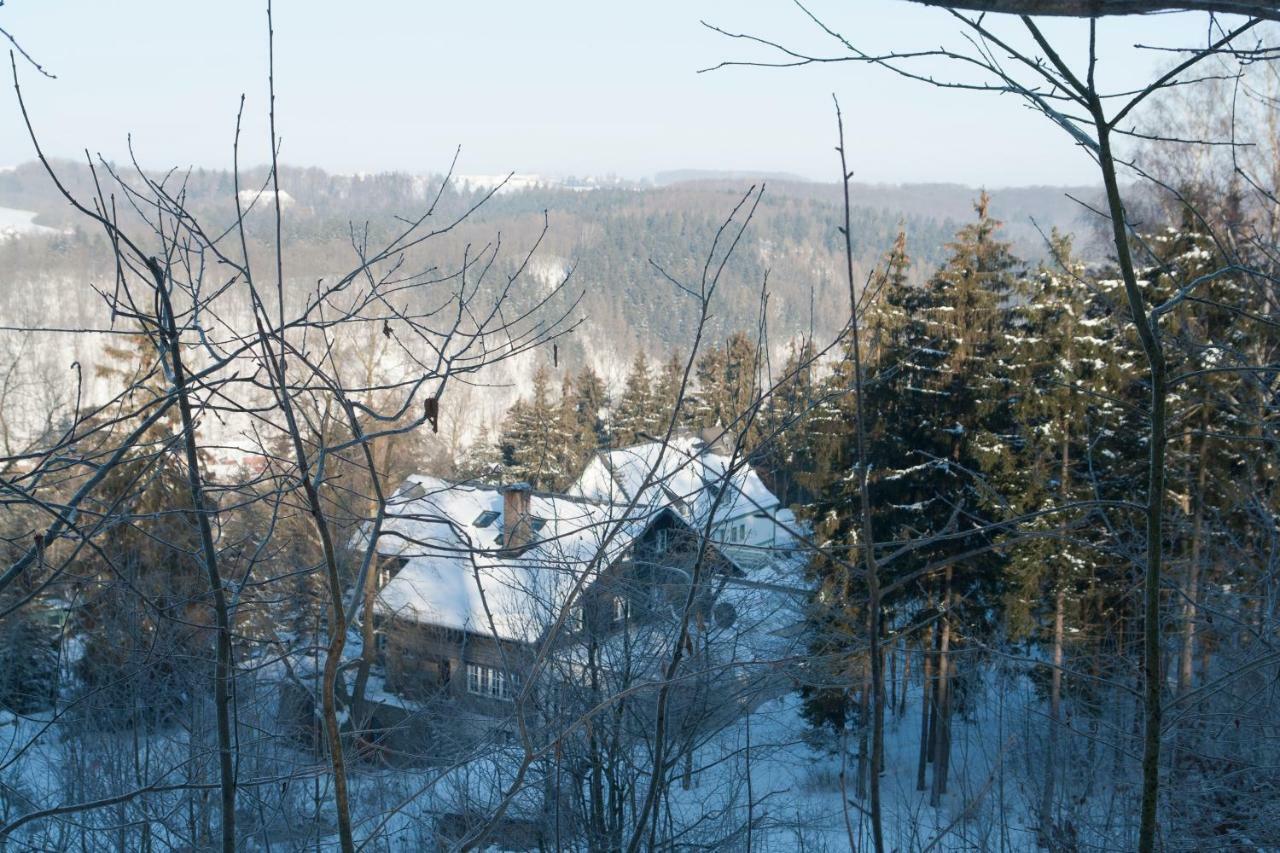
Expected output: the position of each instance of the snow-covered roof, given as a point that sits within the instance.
(701, 486)
(457, 575)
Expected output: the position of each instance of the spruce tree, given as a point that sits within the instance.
(483, 459)
(530, 434)
(939, 419)
(666, 392)
(789, 455)
(590, 405)
(636, 412)
(709, 406)
(147, 550)
(1061, 354)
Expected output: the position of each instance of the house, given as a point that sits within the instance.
(475, 580)
(705, 487)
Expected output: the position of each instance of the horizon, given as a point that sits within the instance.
(648, 181)
(559, 91)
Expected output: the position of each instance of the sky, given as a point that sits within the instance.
(557, 87)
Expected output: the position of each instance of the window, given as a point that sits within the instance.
(485, 518)
(444, 671)
(536, 524)
(620, 608)
(493, 683)
(576, 619)
(380, 642)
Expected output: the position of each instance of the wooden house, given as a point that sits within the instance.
(479, 581)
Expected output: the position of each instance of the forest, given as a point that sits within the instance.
(403, 512)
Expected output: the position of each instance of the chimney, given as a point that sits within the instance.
(715, 439)
(516, 526)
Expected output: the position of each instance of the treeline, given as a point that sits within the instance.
(1005, 407)
(547, 437)
(606, 237)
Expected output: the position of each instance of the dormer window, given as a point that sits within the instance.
(536, 524)
(417, 490)
(485, 518)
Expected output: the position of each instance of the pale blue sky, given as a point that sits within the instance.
(552, 87)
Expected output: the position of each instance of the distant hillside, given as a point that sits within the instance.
(607, 236)
(1021, 209)
(684, 176)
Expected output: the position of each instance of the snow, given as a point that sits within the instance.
(262, 200)
(685, 475)
(16, 223)
(501, 183)
(458, 577)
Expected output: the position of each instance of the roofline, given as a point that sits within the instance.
(480, 486)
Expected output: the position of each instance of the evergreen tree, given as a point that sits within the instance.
(150, 550)
(482, 460)
(707, 401)
(636, 411)
(794, 418)
(29, 678)
(666, 392)
(590, 406)
(1061, 353)
(728, 387)
(741, 380)
(939, 419)
(532, 438)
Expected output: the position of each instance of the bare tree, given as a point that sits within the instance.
(1101, 8)
(1034, 69)
(177, 284)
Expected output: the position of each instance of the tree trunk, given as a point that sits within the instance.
(1098, 8)
(1055, 698)
(926, 706)
(893, 677)
(877, 751)
(1153, 715)
(867, 531)
(368, 651)
(942, 731)
(932, 745)
(864, 718)
(906, 677)
(223, 673)
(1192, 591)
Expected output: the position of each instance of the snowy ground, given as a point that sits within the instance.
(14, 222)
(765, 760)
